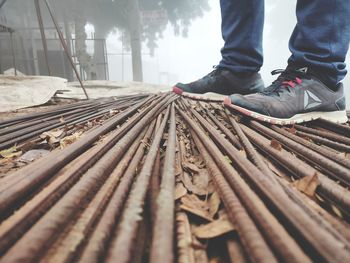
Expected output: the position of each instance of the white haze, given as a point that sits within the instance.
(187, 59)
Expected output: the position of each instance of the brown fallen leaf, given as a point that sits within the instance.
(190, 167)
(52, 137)
(308, 184)
(195, 206)
(69, 139)
(214, 229)
(187, 181)
(292, 130)
(275, 144)
(201, 182)
(180, 190)
(214, 204)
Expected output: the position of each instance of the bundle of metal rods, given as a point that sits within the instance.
(22, 128)
(123, 191)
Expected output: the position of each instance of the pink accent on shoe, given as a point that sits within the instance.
(227, 101)
(289, 83)
(177, 90)
(299, 81)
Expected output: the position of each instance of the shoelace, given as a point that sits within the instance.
(287, 79)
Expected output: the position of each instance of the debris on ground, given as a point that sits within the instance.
(160, 178)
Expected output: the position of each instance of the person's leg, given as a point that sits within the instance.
(242, 26)
(242, 30)
(310, 87)
(321, 38)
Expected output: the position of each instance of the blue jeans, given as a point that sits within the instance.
(319, 41)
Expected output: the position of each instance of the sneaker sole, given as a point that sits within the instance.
(209, 96)
(333, 116)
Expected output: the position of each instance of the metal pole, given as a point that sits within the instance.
(122, 55)
(2, 3)
(65, 47)
(13, 54)
(42, 32)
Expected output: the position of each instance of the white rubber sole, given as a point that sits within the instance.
(333, 116)
(209, 96)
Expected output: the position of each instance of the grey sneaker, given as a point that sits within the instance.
(296, 96)
(220, 81)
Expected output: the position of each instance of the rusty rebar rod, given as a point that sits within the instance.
(328, 189)
(43, 233)
(163, 229)
(97, 244)
(298, 221)
(254, 243)
(36, 173)
(121, 246)
(326, 134)
(333, 169)
(275, 234)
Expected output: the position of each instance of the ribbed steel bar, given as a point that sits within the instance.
(328, 189)
(163, 229)
(321, 150)
(251, 152)
(44, 231)
(36, 173)
(45, 119)
(27, 215)
(98, 242)
(121, 246)
(288, 210)
(68, 247)
(275, 234)
(323, 141)
(333, 169)
(326, 134)
(254, 243)
(226, 131)
(335, 127)
(291, 192)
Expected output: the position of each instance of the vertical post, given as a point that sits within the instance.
(134, 23)
(42, 32)
(64, 45)
(13, 54)
(122, 55)
(105, 59)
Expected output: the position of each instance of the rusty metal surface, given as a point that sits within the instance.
(167, 179)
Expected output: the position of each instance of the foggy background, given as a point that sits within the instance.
(182, 46)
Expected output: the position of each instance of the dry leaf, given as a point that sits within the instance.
(275, 144)
(214, 204)
(194, 205)
(180, 191)
(308, 184)
(187, 181)
(62, 120)
(70, 139)
(201, 182)
(214, 229)
(52, 137)
(10, 152)
(190, 167)
(292, 130)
